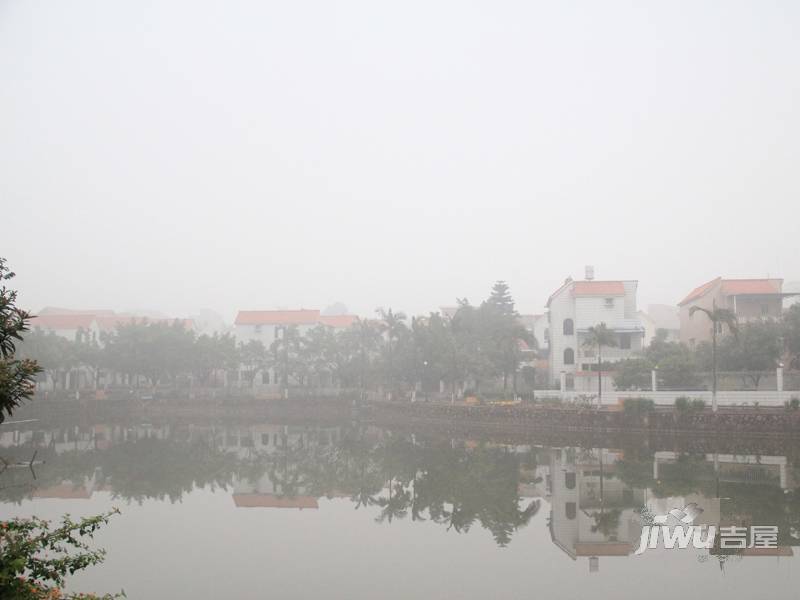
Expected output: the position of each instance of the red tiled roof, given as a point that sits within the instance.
(277, 317)
(699, 291)
(272, 501)
(111, 322)
(735, 287)
(56, 322)
(523, 346)
(338, 321)
(602, 549)
(54, 310)
(566, 283)
(598, 288)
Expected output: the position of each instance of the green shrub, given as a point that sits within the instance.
(682, 404)
(550, 400)
(698, 405)
(792, 404)
(638, 406)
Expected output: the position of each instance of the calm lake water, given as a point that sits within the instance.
(216, 510)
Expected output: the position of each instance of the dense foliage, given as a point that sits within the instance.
(34, 558)
(478, 344)
(17, 376)
(37, 557)
(755, 349)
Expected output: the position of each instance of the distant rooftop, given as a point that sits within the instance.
(590, 287)
(273, 501)
(599, 288)
(61, 322)
(338, 321)
(736, 287)
(278, 317)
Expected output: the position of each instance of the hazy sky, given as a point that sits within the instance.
(178, 155)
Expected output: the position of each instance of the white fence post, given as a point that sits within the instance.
(654, 380)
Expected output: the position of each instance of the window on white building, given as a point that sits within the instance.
(569, 327)
(609, 303)
(569, 356)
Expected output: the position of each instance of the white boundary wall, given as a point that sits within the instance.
(667, 398)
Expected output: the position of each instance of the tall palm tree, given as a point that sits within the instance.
(393, 325)
(718, 318)
(365, 337)
(285, 349)
(396, 505)
(600, 336)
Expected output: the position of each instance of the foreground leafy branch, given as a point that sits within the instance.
(17, 377)
(36, 558)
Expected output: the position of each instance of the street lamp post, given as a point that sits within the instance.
(285, 370)
(424, 373)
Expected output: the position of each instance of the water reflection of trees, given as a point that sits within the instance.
(766, 501)
(163, 469)
(406, 478)
(396, 477)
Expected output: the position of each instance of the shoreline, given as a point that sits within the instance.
(545, 426)
(738, 421)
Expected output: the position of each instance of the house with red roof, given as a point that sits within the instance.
(749, 299)
(578, 305)
(76, 325)
(73, 326)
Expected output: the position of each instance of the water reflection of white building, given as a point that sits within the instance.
(81, 489)
(81, 438)
(249, 440)
(266, 490)
(593, 513)
(265, 493)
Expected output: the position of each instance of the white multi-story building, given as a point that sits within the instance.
(573, 309)
(583, 486)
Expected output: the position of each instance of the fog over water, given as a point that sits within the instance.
(254, 226)
(233, 155)
(239, 509)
